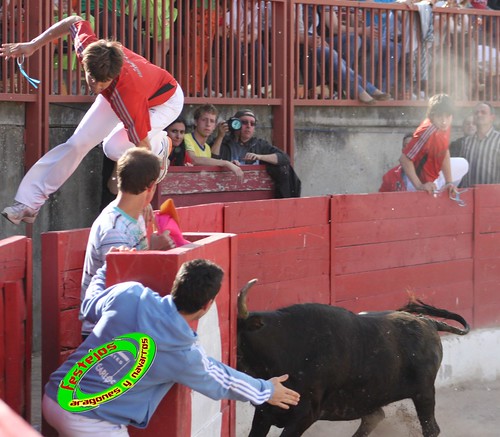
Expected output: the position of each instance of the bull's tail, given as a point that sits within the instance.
(416, 306)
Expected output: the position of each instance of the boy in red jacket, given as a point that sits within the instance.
(135, 101)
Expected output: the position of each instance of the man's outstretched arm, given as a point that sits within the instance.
(57, 30)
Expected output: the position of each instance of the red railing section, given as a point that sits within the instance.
(228, 49)
(16, 323)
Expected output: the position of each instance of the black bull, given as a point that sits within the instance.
(345, 366)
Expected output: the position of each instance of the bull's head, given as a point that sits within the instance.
(242, 299)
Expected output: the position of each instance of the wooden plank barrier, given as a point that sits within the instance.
(487, 255)
(187, 412)
(64, 253)
(286, 245)
(362, 252)
(16, 323)
(206, 184)
(386, 245)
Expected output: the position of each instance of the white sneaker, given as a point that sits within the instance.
(166, 147)
(19, 212)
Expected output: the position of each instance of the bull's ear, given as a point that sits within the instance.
(253, 323)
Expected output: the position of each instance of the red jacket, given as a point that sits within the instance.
(139, 86)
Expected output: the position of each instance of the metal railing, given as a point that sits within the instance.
(228, 49)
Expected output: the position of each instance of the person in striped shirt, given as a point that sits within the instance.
(482, 150)
(123, 222)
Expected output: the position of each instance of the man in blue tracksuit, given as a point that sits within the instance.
(140, 346)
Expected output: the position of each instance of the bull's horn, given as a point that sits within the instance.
(242, 299)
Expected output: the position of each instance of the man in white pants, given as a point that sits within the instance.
(135, 101)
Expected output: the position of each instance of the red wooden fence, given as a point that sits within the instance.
(16, 323)
(362, 252)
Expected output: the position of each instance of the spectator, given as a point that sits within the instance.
(122, 223)
(382, 48)
(131, 311)
(108, 18)
(176, 132)
(369, 95)
(205, 122)
(241, 147)
(204, 16)
(427, 154)
(482, 149)
(346, 39)
(468, 128)
(243, 23)
(161, 46)
(135, 101)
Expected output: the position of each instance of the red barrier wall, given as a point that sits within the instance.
(389, 244)
(61, 297)
(487, 256)
(16, 323)
(362, 252)
(157, 270)
(286, 245)
(207, 184)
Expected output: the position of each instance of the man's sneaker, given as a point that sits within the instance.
(19, 212)
(166, 144)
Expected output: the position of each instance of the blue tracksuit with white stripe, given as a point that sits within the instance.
(130, 307)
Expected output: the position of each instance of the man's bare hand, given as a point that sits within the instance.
(161, 241)
(15, 50)
(236, 170)
(430, 187)
(283, 397)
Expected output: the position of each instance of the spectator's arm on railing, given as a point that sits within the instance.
(202, 160)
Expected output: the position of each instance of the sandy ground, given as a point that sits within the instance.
(465, 410)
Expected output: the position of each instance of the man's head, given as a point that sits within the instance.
(137, 170)
(196, 284)
(468, 126)
(248, 122)
(102, 61)
(484, 116)
(440, 111)
(205, 120)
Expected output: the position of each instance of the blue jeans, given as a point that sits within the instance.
(354, 46)
(332, 61)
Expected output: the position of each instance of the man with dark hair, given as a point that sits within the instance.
(121, 223)
(135, 101)
(468, 128)
(482, 149)
(125, 312)
(239, 146)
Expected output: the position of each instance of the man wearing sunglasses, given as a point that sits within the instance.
(241, 147)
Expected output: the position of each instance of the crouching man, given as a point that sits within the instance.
(140, 346)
